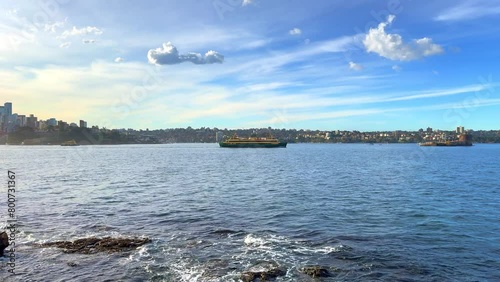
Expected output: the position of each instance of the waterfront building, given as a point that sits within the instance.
(83, 124)
(2, 113)
(62, 125)
(21, 120)
(32, 121)
(8, 109)
(42, 125)
(51, 122)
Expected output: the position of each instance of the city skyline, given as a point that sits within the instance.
(363, 65)
(11, 121)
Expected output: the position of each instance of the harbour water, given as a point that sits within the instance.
(391, 212)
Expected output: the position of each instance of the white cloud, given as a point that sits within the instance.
(354, 66)
(65, 45)
(168, 55)
(468, 10)
(88, 41)
(246, 2)
(52, 27)
(295, 31)
(81, 31)
(119, 60)
(396, 68)
(391, 46)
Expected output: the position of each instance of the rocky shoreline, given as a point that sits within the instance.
(94, 245)
(259, 271)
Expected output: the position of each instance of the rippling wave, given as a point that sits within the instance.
(363, 213)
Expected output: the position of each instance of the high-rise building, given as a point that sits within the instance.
(62, 125)
(42, 125)
(32, 121)
(460, 129)
(2, 114)
(8, 109)
(13, 120)
(21, 120)
(83, 124)
(7, 124)
(51, 122)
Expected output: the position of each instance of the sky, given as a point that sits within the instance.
(365, 65)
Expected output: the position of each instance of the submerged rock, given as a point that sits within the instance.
(262, 271)
(94, 245)
(214, 269)
(315, 271)
(4, 242)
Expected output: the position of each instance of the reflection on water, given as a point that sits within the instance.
(391, 212)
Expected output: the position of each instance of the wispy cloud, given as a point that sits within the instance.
(295, 31)
(81, 31)
(54, 26)
(439, 93)
(246, 2)
(469, 10)
(302, 53)
(65, 45)
(354, 66)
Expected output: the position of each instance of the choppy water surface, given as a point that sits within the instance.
(368, 212)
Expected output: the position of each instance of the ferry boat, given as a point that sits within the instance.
(463, 140)
(252, 142)
(69, 143)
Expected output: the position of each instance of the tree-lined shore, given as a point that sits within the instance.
(95, 136)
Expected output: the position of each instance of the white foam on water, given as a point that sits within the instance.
(139, 254)
(25, 237)
(187, 272)
(253, 240)
(272, 241)
(264, 241)
(327, 249)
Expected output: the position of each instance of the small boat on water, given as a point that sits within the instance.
(252, 142)
(69, 143)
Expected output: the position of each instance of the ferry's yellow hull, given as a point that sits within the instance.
(252, 145)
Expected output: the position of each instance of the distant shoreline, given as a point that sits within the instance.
(103, 136)
(216, 143)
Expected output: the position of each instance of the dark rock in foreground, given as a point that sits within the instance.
(4, 242)
(94, 245)
(315, 271)
(263, 271)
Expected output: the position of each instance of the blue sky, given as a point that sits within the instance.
(348, 65)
